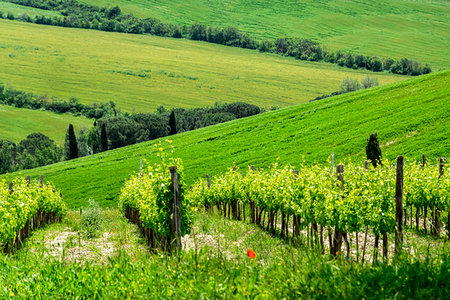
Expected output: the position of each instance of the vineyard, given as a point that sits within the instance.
(24, 206)
(335, 205)
(263, 242)
(152, 200)
(305, 206)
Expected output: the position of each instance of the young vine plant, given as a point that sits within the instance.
(23, 203)
(315, 195)
(151, 193)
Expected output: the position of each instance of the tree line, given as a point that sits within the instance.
(80, 15)
(13, 97)
(115, 131)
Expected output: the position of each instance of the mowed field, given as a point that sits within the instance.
(17, 123)
(140, 72)
(412, 117)
(395, 28)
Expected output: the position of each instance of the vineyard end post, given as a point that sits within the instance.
(41, 180)
(176, 208)
(340, 175)
(207, 181)
(441, 166)
(11, 185)
(399, 205)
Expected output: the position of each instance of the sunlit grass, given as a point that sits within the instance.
(141, 72)
(411, 117)
(17, 123)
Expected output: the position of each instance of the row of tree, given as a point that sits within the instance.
(111, 132)
(80, 15)
(21, 99)
(38, 150)
(128, 129)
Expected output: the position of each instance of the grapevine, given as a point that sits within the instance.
(27, 204)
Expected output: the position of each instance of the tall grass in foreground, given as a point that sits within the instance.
(278, 271)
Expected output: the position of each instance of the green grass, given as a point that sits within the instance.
(17, 123)
(17, 10)
(140, 72)
(393, 28)
(412, 117)
(215, 266)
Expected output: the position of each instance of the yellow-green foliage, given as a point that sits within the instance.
(151, 193)
(17, 123)
(314, 194)
(140, 72)
(20, 206)
(394, 28)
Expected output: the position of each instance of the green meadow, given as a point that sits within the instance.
(141, 72)
(18, 10)
(411, 117)
(17, 123)
(394, 28)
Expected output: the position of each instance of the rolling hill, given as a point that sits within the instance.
(17, 123)
(141, 72)
(394, 28)
(412, 117)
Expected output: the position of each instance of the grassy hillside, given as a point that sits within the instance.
(17, 123)
(17, 10)
(141, 72)
(412, 117)
(396, 28)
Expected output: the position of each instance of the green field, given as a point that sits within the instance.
(17, 123)
(395, 28)
(140, 72)
(17, 10)
(412, 117)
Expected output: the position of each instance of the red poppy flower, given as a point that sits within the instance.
(251, 253)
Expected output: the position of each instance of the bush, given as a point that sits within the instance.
(350, 85)
(368, 82)
(91, 220)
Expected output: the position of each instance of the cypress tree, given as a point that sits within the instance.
(172, 123)
(103, 139)
(373, 150)
(71, 144)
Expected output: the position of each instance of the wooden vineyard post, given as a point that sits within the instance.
(209, 207)
(41, 180)
(207, 181)
(437, 213)
(176, 208)
(11, 185)
(366, 164)
(140, 167)
(337, 239)
(399, 205)
(253, 209)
